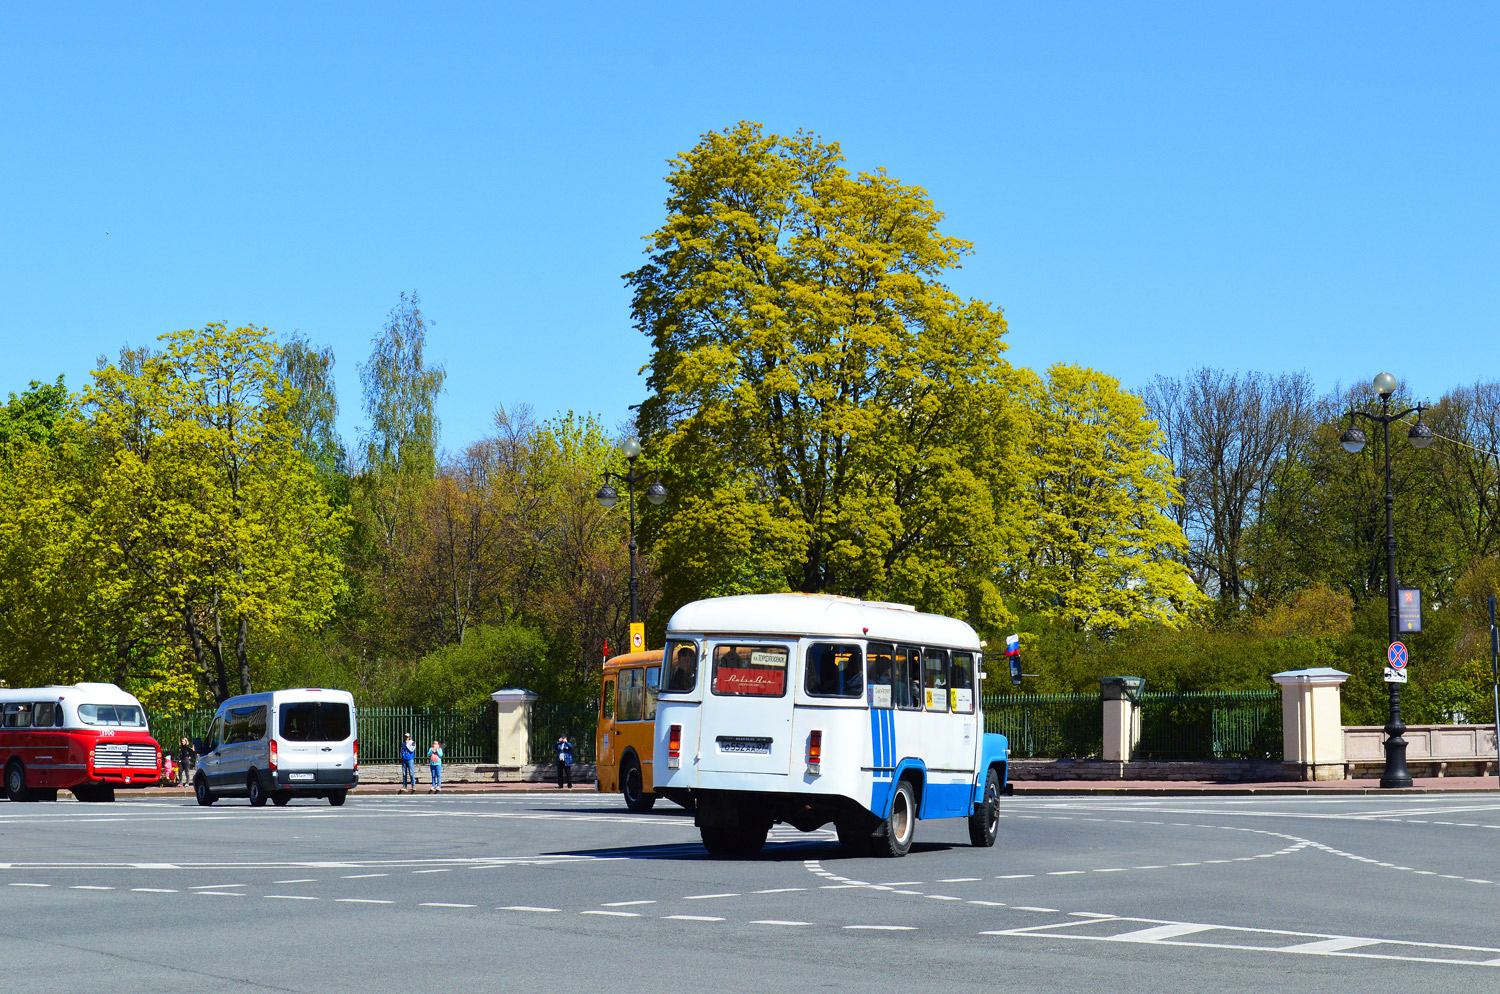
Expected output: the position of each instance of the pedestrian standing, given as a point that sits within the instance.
(435, 764)
(564, 762)
(187, 756)
(408, 764)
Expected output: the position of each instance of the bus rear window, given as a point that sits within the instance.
(750, 670)
(315, 721)
(125, 715)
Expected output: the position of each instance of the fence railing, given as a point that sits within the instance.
(1052, 726)
(548, 721)
(468, 734)
(1210, 725)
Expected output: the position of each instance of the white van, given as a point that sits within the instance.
(279, 744)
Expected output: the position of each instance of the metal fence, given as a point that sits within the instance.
(468, 734)
(548, 721)
(1054, 726)
(1242, 724)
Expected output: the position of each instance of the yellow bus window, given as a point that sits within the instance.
(607, 700)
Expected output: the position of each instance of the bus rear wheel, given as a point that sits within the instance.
(737, 842)
(985, 819)
(900, 827)
(15, 782)
(633, 786)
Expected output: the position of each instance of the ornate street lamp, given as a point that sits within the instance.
(607, 496)
(1353, 440)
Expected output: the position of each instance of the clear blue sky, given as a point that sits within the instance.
(1149, 187)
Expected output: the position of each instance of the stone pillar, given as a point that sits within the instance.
(1122, 716)
(514, 733)
(1312, 725)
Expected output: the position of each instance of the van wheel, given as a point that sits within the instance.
(15, 782)
(632, 785)
(985, 819)
(201, 792)
(338, 797)
(255, 790)
(281, 797)
(739, 842)
(897, 831)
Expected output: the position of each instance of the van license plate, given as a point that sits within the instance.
(299, 776)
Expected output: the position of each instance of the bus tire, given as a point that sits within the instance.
(855, 840)
(633, 786)
(985, 819)
(15, 782)
(254, 790)
(201, 792)
(900, 827)
(47, 794)
(281, 797)
(337, 798)
(736, 842)
(100, 793)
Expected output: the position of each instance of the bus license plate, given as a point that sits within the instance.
(300, 776)
(744, 744)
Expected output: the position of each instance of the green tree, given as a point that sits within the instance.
(1103, 550)
(314, 408)
(833, 417)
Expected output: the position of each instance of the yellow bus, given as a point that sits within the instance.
(627, 722)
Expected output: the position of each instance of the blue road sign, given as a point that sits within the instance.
(1396, 655)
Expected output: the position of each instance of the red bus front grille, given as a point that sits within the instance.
(120, 756)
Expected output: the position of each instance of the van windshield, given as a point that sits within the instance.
(127, 715)
(315, 721)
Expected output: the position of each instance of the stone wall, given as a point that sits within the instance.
(1217, 770)
(455, 773)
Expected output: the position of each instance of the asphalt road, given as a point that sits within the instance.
(568, 892)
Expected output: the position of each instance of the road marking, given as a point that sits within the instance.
(942, 897)
(1045, 911)
(523, 907)
(777, 921)
(1090, 914)
(779, 890)
(300, 880)
(953, 880)
(990, 904)
(1111, 869)
(152, 890)
(624, 904)
(692, 918)
(1066, 873)
(896, 883)
(1328, 945)
(1015, 876)
(361, 900)
(1159, 932)
(613, 914)
(89, 887)
(706, 897)
(217, 893)
(363, 876)
(444, 904)
(444, 870)
(31, 885)
(215, 886)
(289, 897)
(841, 886)
(880, 928)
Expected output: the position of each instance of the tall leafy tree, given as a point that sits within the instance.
(833, 417)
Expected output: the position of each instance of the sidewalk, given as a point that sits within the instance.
(1191, 788)
(368, 789)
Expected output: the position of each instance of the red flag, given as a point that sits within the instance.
(606, 650)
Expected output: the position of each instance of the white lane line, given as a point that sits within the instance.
(1063, 873)
(779, 890)
(706, 897)
(841, 886)
(361, 900)
(525, 907)
(152, 890)
(443, 870)
(692, 918)
(1328, 945)
(89, 887)
(942, 897)
(1111, 869)
(624, 904)
(904, 883)
(1045, 911)
(31, 885)
(1015, 876)
(299, 880)
(777, 921)
(957, 880)
(289, 897)
(990, 904)
(1089, 914)
(217, 893)
(444, 904)
(612, 914)
(215, 886)
(1159, 932)
(363, 876)
(880, 928)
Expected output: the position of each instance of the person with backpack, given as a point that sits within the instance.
(564, 762)
(435, 764)
(408, 756)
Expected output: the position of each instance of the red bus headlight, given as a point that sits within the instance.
(674, 747)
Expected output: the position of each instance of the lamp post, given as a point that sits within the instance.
(1353, 440)
(607, 496)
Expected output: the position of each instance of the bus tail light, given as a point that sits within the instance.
(815, 752)
(272, 761)
(674, 747)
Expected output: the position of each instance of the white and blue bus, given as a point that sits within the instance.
(811, 709)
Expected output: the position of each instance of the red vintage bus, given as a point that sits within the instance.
(88, 738)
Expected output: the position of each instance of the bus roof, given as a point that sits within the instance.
(89, 693)
(644, 657)
(820, 615)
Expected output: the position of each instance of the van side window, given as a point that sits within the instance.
(215, 734)
(935, 679)
(834, 670)
(961, 683)
(247, 724)
(880, 665)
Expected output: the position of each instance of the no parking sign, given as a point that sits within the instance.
(1396, 658)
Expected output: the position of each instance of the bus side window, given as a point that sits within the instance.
(18, 716)
(881, 665)
(630, 694)
(834, 670)
(683, 659)
(607, 701)
(45, 715)
(961, 683)
(908, 677)
(653, 682)
(935, 679)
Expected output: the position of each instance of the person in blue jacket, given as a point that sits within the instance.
(408, 764)
(564, 762)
